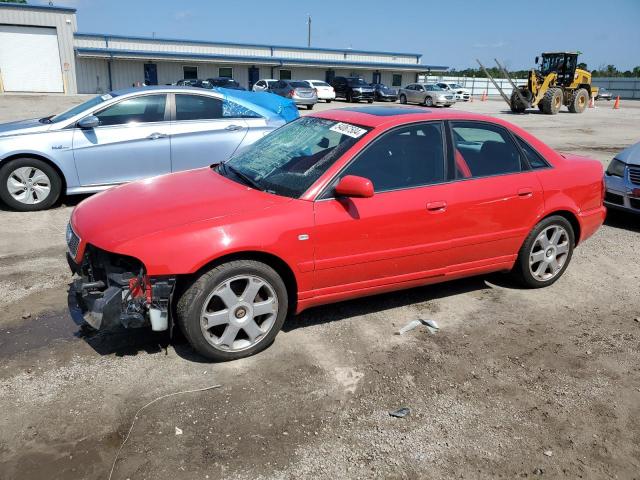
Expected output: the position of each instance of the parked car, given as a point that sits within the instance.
(331, 206)
(458, 90)
(353, 89)
(622, 180)
(323, 89)
(262, 85)
(426, 94)
(224, 82)
(603, 94)
(382, 93)
(296, 90)
(192, 82)
(128, 135)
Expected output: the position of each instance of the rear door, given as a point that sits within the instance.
(200, 133)
(497, 200)
(131, 142)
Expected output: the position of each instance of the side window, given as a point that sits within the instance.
(197, 107)
(235, 110)
(406, 157)
(409, 87)
(144, 109)
(534, 158)
(482, 150)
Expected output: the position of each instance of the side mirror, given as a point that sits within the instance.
(89, 122)
(537, 60)
(354, 186)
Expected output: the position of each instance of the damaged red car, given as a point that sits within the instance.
(336, 205)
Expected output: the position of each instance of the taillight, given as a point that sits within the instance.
(291, 93)
(315, 90)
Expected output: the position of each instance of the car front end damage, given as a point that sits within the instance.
(113, 290)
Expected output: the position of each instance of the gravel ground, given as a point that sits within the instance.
(517, 383)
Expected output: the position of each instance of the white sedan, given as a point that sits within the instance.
(460, 92)
(324, 90)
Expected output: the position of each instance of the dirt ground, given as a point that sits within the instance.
(517, 383)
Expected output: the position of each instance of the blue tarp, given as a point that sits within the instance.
(268, 104)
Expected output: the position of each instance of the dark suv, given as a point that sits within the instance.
(353, 89)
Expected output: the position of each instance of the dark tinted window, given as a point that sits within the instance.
(534, 158)
(299, 84)
(483, 149)
(190, 72)
(197, 107)
(396, 80)
(406, 157)
(144, 109)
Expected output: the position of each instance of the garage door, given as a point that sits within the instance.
(29, 59)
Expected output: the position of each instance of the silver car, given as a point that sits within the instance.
(622, 180)
(129, 135)
(426, 94)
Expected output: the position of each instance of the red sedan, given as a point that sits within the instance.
(337, 205)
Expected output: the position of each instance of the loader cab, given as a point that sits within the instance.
(564, 64)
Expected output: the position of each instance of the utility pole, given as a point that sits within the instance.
(309, 31)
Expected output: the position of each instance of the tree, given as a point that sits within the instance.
(583, 66)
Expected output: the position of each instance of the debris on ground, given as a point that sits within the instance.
(178, 431)
(401, 412)
(548, 453)
(538, 471)
(26, 315)
(431, 325)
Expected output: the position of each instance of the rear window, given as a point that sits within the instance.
(320, 84)
(298, 85)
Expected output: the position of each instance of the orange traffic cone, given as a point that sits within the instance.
(616, 105)
(592, 103)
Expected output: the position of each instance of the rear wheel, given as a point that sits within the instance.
(233, 310)
(546, 252)
(579, 101)
(349, 97)
(552, 101)
(428, 102)
(309, 107)
(328, 101)
(516, 103)
(29, 184)
(369, 101)
(403, 99)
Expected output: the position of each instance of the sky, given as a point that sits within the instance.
(451, 33)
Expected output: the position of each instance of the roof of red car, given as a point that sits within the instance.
(376, 116)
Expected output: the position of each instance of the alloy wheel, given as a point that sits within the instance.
(239, 313)
(549, 253)
(29, 185)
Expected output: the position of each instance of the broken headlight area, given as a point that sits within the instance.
(114, 290)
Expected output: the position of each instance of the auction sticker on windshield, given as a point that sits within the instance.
(348, 129)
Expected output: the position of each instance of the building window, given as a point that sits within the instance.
(396, 80)
(190, 73)
(225, 72)
(285, 74)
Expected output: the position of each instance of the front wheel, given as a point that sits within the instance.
(369, 101)
(328, 101)
(428, 102)
(29, 184)
(309, 107)
(233, 310)
(546, 252)
(403, 99)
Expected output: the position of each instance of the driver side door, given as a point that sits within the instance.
(131, 142)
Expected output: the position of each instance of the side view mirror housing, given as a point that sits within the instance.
(537, 60)
(354, 186)
(89, 122)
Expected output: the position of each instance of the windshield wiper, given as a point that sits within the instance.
(246, 179)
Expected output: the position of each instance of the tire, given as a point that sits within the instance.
(516, 104)
(540, 106)
(369, 101)
(309, 107)
(230, 279)
(349, 97)
(328, 101)
(534, 254)
(552, 101)
(403, 99)
(428, 101)
(579, 100)
(23, 171)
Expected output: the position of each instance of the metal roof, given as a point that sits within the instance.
(275, 61)
(37, 7)
(248, 45)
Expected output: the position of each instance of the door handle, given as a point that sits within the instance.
(156, 136)
(436, 207)
(525, 192)
(233, 128)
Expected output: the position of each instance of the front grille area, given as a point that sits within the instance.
(449, 97)
(635, 203)
(73, 241)
(614, 198)
(634, 175)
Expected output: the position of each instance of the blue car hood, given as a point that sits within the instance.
(630, 155)
(264, 103)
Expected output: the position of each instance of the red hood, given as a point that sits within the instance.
(159, 203)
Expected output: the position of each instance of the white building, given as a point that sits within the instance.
(41, 51)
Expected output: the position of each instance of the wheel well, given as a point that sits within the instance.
(572, 219)
(279, 265)
(44, 159)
